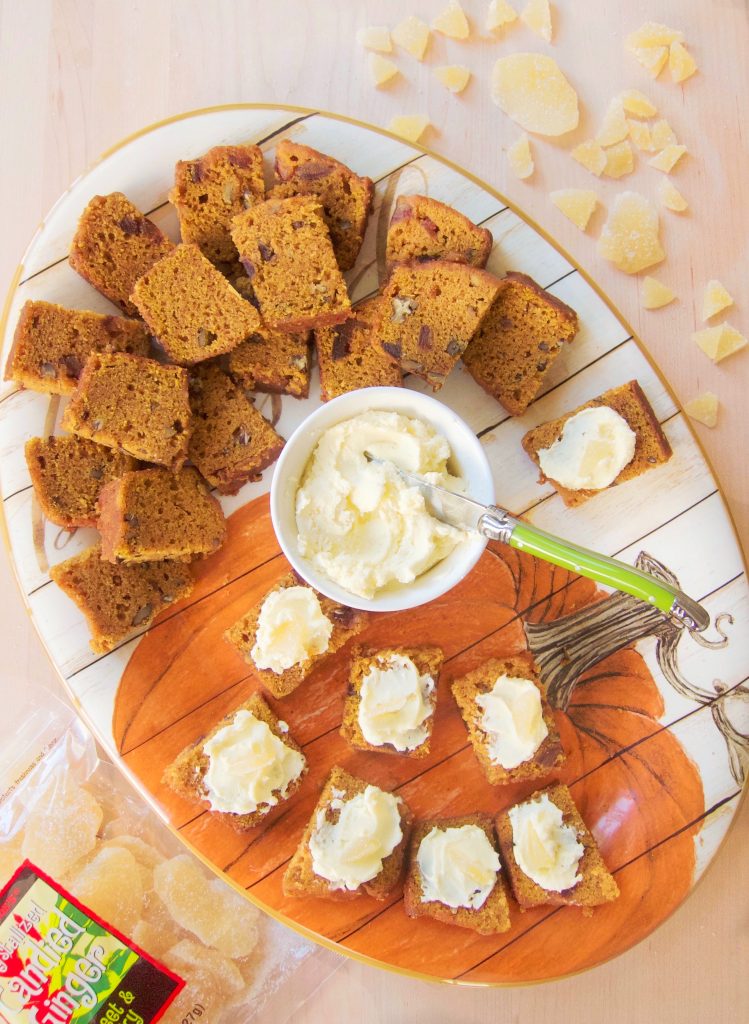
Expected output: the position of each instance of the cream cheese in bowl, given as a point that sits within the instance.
(358, 521)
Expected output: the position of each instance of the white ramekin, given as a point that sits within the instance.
(468, 461)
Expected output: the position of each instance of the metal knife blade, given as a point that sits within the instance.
(453, 509)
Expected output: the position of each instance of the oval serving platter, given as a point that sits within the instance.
(654, 720)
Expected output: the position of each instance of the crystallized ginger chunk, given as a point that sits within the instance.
(704, 409)
(715, 299)
(681, 63)
(531, 89)
(654, 294)
(452, 22)
(537, 16)
(619, 160)
(500, 13)
(410, 127)
(61, 826)
(520, 158)
(629, 238)
(671, 197)
(111, 885)
(662, 134)
(412, 34)
(614, 127)
(639, 133)
(591, 155)
(454, 77)
(719, 342)
(652, 34)
(668, 158)
(652, 58)
(637, 103)
(381, 69)
(577, 204)
(375, 38)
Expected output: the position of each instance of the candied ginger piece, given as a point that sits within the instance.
(537, 16)
(629, 238)
(219, 917)
(577, 204)
(652, 58)
(637, 103)
(499, 14)
(203, 989)
(591, 155)
(531, 89)
(639, 133)
(668, 158)
(454, 77)
(412, 35)
(154, 938)
(654, 294)
(671, 197)
(381, 69)
(452, 22)
(652, 34)
(719, 342)
(681, 63)
(188, 956)
(619, 160)
(520, 158)
(704, 409)
(409, 127)
(376, 37)
(61, 826)
(145, 854)
(111, 885)
(715, 300)
(615, 127)
(662, 134)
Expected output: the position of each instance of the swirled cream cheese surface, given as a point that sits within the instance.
(512, 718)
(545, 848)
(291, 628)
(595, 446)
(458, 866)
(394, 704)
(358, 521)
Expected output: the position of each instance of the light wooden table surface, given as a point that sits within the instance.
(75, 77)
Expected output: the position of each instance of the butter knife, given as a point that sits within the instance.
(498, 524)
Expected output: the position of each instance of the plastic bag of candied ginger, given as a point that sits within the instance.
(105, 916)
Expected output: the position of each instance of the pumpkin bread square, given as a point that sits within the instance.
(186, 774)
(430, 313)
(425, 229)
(517, 343)
(492, 918)
(191, 309)
(466, 689)
(285, 248)
(155, 514)
(68, 474)
(629, 401)
(134, 404)
(596, 886)
(210, 191)
(428, 661)
(274, 362)
(115, 244)
(346, 197)
(51, 344)
(231, 441)
(300, 878)
(347, 623)
(118, 599)
(347, 357)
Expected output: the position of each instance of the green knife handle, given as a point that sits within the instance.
(500, 525)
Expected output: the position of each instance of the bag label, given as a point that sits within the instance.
(61, 964)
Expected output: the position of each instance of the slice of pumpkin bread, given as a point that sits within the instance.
(272, 361)
(347, 357)
(425, 229)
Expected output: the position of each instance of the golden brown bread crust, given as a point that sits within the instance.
(490, 919)
(347, 622)
(428, 661)
(597, 885)
(548, 757)
(52, 343)
(518, 342)
(300, 878)
(186, 773)
(115, 244)
(421, 228)
(651, 444)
